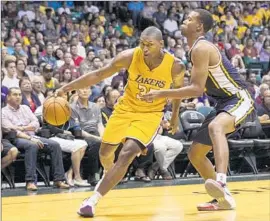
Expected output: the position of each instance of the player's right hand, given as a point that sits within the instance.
(59, 92)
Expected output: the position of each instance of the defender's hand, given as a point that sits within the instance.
(152, 95)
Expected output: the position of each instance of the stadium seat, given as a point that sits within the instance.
(191, 121)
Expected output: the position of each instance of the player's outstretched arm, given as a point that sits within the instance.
(199, 74)
(122, 60)
(178, 73)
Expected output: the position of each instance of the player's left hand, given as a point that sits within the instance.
(151, 95)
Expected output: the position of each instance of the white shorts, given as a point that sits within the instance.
(70, 146)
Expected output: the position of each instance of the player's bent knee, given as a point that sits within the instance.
(215, 128)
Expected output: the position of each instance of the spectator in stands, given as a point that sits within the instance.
(110, 99)
(238, 63)
(59, 55)
(118, 85)
(21, 69)
(64, 9)
(67, 77)
(49, 81)
(170, 25)
(19, 118)
(259, 43)
(37, 84)
(265, 51)
(49, 58)
(251, 82)
(266, 80)
(10, 79)
(4, 90)
(33, 56)
(28, 97)
(86, 64)
(18, 50)
(249, 50)
(264, 108)
(76, 58)
(160, 16)
(233, 50)
(128, 28)
(262, 88)
(68, 65)
(89, 116)
(166, 150)
(100, 101)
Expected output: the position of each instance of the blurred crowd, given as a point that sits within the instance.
(45, 45)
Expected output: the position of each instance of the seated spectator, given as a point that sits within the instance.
(4, 90)
(89, 116)
(264, 108)
(259, 43)
(249, 51)
(262, 88)
(28, 97)
(67, 77)
(69, 64)
(18, 50)
(233, 50)
(266, 80)
(265, 51)
(110, 99)
(128, 28)
(37, 85)
(49, 58)
(33, 56)
(106, 89)
(118, 85)
(68, 144)
(19, 118)
(100, 101)
(160, 16)
(49, 81)
(59, 55)
(64, 9)
(21, 70)
(166, 150)
(238, 63)
(10, 79)
(76, 58)
(8, 153)
(86, 64)
(251, 82)
(170, 25)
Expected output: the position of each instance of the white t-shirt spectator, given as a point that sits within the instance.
(170, 25)
(10, 82)
(62, 10)
(30, 14)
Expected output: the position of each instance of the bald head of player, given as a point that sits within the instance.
(198, 23)
(151, 42)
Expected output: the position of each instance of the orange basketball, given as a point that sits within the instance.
(56, 111)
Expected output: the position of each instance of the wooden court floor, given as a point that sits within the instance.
(167, 203)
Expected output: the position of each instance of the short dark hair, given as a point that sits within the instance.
(11, 89)
(154, 32)
(24, 79)
(9, 61)
(205, 18)
(95, 58)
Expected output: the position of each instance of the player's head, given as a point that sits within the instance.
(151, 42)
(199, 21)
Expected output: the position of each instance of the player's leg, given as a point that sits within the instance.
(197, 156)
(222, 125)
(106, 155)
(129, 151)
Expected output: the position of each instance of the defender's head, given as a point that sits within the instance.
(151, 42)
(198, 21)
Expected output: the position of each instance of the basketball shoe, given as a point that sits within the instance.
(87, 208)
(223, 199)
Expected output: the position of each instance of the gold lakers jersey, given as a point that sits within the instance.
(141, 80)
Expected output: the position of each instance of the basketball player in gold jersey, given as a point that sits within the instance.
(134, 121)
(213, 73)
